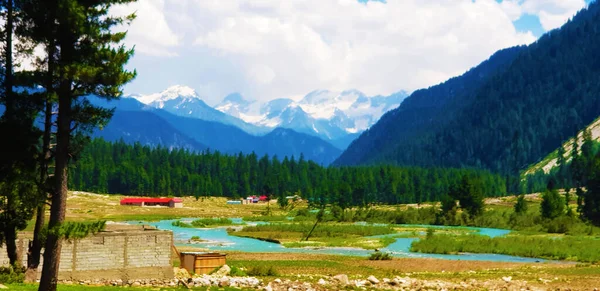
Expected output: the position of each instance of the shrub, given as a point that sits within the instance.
(379, 256)
(9, 275)
(262, 271)
(237, 272)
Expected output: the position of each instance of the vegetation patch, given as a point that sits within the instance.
(379, 256)
(204, 222)
(323, 235)
(575, 248)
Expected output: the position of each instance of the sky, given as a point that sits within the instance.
(268, 49)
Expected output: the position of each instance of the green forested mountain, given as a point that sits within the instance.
(424, 109)
(518, 115)
(142, 170)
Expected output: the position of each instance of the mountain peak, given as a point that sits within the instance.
(173, 92)
(235, 98)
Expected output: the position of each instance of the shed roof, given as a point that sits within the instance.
(151, 200)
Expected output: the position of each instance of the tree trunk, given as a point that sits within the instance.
(35, 249)
(10, 236)
(8, 77)
(10, 232)
(59, 196)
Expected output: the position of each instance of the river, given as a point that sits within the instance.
(219, 240)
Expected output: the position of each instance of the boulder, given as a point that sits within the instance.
(223, 271)
(269, 288)
(224, 282)
(342, 279)
(322, 282)
(373, 280)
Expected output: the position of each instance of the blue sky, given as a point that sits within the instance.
(267, 49)
(531, 22)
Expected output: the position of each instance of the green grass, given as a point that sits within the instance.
(575, 248)
(204, 222)
(324, 235)
(265, 218)
(330, 230)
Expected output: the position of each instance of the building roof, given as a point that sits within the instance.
(151, 200)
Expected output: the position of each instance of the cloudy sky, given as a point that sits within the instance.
(267, 49)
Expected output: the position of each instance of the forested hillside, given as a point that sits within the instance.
(424, 109)
(140, 170)
(517, 116)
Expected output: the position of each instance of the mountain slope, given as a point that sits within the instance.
(146, 128)
(333, 116)
(551, 160)
(518, 115)
(156, 126)
(184, 101)
(424, 110)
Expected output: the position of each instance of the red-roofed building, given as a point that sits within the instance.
(167, 202)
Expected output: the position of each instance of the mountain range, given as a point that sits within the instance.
(336, 117)
(134, 121)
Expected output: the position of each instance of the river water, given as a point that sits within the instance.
(219, 240)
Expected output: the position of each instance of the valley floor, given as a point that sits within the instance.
(418, 273)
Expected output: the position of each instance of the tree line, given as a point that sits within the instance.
(578, 170)
(78, 54)
(122, 168)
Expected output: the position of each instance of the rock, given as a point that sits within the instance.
(507, 279)
(322, 282)
(136, 284)
(373, 280)
(224, 282)
(223, 271)
(342, 279)
(278, 281)
(203, 282)
(269, 288)
(386, 280)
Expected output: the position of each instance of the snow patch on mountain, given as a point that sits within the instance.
(170, 93)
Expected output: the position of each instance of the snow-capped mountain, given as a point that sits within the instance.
(336, 117)
(184, 101)
(330, 115)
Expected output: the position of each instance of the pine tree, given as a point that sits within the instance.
(590, 199)
(18, 191)
(521, 205)
(552, 205)
(89, 60)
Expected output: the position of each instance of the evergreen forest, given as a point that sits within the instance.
(105, 167)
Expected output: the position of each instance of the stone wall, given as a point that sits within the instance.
(127, 254)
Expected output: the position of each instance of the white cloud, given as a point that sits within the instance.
(271, 49)
(150, 32)
(552, 13)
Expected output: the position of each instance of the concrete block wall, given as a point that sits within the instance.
(139, 254)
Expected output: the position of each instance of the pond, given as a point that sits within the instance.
(217, 239)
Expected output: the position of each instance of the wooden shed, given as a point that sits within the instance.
(201, 263)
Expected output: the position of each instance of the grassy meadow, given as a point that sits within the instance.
(324, 235)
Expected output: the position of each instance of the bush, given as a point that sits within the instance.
(237, 272)
(9, 275)
(262, 271)
(379, 256)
